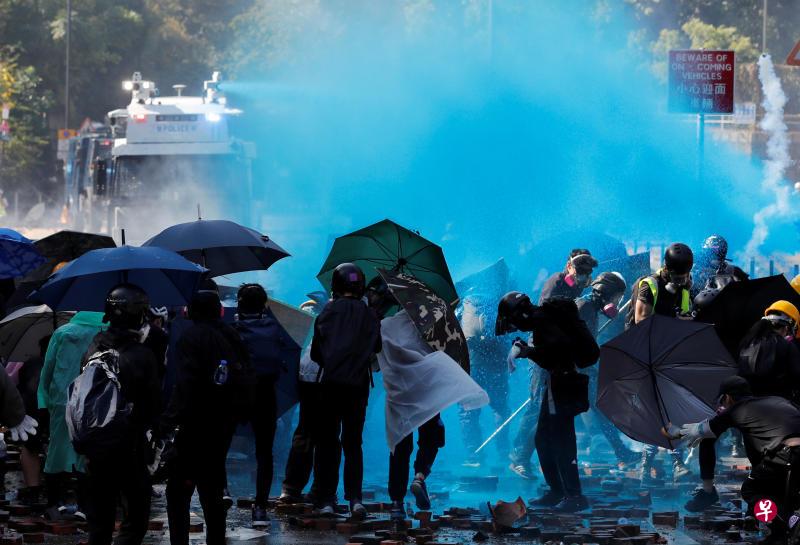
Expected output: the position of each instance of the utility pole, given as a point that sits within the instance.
(66, 71)
(764, 28)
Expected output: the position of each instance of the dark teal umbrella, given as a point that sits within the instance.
(389, 246)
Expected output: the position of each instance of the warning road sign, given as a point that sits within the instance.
(701, 82)
(794, 57)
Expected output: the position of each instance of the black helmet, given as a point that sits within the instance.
(512, 305)
(380, 297)
(348, 278)
(705, 297)
(716, 246)
(126, 306)
(678, 258)
(609, 284)
(583, 263)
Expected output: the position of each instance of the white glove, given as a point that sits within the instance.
(514, 353)
(694, 433)
(26, 428)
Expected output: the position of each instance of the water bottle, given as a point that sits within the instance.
(221, 374)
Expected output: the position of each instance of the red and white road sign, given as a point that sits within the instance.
(794, 57)
(701, 82)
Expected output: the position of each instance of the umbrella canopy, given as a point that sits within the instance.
(21, 331)
(432, 316)
(661, 370)
(741, 304)
(18, 255)
(65, 246)
(222, 246)
(169, 279)
(391, 247)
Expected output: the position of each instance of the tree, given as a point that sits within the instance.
(24, 164)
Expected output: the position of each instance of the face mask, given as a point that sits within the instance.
(789, 338)
(577, 280)
(611, 311)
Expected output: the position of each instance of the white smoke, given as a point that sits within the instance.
(778, 159)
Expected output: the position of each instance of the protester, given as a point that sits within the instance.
(488, 368)
(665, 293)
(302, 456)
(561, 341)
(213, 392)
(346, 338)
(420, 382)
(713, 271)
(119, 468)
(30, 450)
(607, 292)
(264, 338)
(157, 337)
(771, 429)
(568, 284)
(62, 364)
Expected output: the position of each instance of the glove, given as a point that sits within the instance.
(24, 429)
(694, 433)
(518, 350)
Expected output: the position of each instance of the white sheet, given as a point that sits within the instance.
(419, 381)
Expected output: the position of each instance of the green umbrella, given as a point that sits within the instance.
(390, 246)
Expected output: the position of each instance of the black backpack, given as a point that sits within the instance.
(758, 352)
(98, 415)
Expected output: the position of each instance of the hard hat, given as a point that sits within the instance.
(678, 258)
(796, 283)
(785, 307)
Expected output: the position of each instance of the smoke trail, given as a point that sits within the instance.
(777, 156)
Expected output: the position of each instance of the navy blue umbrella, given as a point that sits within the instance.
(168, 278)
(18, 255)
(222, 246)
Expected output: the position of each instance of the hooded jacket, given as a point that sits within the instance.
(62, 364)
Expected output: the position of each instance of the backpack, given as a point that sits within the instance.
(758, 352)
(98, 415)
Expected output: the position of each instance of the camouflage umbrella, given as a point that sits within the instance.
(393, 247)
(433, 317)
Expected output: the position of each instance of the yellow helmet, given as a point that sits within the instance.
(796, 283)
(786, 308)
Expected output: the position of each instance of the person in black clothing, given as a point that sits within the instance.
(213, 392)
(346, 338)
(770, 427)
(265, 341)
(569, 285)
(157, 337)
(607, 292)
(561, 341)
(770, 363)
(124, 471)
(713, 271)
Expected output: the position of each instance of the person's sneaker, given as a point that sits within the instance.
(289, 498)
(227, 499)
(550, 499)
(572, 504)
(679, 471)
(79, 515)
(420, 492)
(521, 470)
(397, 511)
(260, 518)
(357, 510)
(702, 500)
(327, 510)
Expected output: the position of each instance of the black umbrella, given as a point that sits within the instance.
(21, 331)
(661, 370)
(741, 304)
(221, 246)
(65, 246)
(432, 316)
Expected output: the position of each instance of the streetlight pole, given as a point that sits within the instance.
(66, 71)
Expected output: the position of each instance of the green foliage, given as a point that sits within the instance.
(705, 36)
(23, 160)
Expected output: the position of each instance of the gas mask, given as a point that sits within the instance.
(678, 282)
(580, 280)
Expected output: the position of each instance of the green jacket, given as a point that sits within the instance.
(62, 364)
